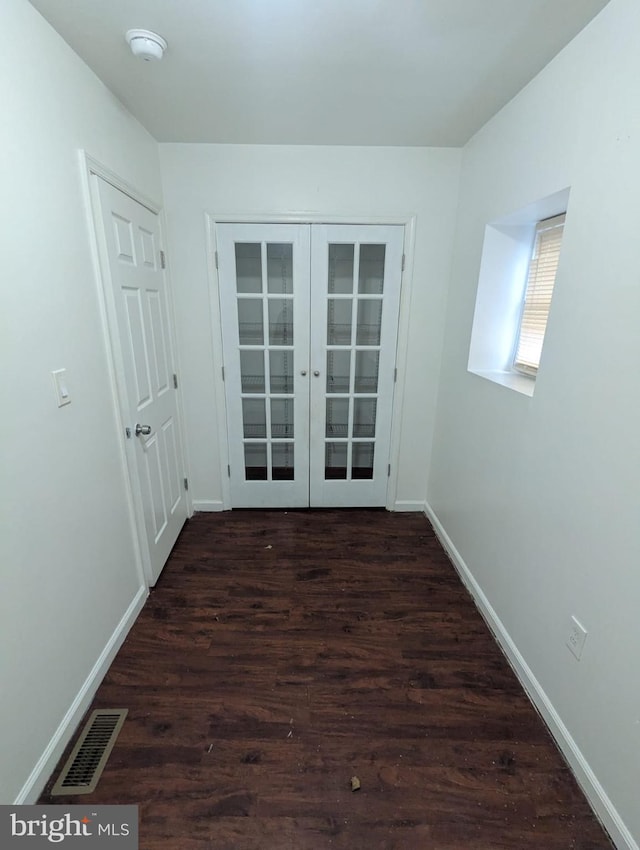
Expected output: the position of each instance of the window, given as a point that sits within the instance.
(502, 347)
(537, 298)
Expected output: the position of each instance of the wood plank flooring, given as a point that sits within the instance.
(282, 653)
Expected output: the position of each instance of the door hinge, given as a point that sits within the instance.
(223, 373)
(163, 260)
(175, 381)
(215, 254)
(389, 471)
(403, 262)
(229, 470)
(395, 375)
(186, 483)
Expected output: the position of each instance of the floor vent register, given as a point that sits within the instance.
(84, 766)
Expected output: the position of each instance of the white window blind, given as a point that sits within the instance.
(537, 299)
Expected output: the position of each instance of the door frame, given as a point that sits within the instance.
(91, 171)
(409, 223)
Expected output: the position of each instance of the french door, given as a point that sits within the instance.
(309, 326)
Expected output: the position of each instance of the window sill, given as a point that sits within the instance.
(512, 380)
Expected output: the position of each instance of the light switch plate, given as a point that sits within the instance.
(63, 395)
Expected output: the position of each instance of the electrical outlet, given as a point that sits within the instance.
(577, 637)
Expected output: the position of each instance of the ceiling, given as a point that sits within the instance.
(346, 72)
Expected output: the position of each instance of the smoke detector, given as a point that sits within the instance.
(145, 44)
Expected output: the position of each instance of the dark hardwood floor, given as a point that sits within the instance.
(282, 653)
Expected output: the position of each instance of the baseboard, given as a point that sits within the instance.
(207, 505)
(408, 506)
(593, 790)
(32, 788)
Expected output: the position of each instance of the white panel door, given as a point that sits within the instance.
(309, 325)
(132, 245)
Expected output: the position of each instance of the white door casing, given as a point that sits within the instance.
(337, 436)
(130, 241)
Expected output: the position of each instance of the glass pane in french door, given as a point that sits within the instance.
(371, 269)
(265, 311)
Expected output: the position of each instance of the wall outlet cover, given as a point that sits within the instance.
(576, 638)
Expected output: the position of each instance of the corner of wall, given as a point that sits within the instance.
(45, 765)
(600, 802)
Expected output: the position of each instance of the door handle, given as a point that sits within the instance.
(316, 373)
(145, 430)
(303, 372)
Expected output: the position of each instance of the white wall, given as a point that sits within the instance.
(541, 496)
(67, 570)
(251, 180)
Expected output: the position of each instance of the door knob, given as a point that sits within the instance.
(145, 430)
(303, 372)
(316, 372)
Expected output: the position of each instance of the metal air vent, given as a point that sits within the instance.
(84, 766)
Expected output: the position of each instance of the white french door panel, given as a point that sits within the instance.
(264, 300)
(309, 325)
(132, 244)
(356, 272)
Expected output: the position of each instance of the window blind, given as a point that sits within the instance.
(537, 299)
